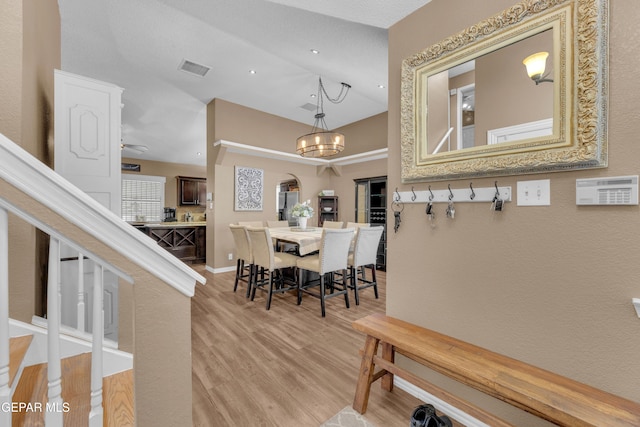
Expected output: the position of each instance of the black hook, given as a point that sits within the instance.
(396, 197)
(430, 194)
(497, 190)
(473, 193)
(450, 192)
(413, 196)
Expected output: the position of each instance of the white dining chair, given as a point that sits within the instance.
(251, 223)
(332, 257)
(277, 224)
(332, 224)
(365, 253)
(272, 262)
(357, 225)
(244, 265)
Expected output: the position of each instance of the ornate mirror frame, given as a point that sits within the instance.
(579, 137)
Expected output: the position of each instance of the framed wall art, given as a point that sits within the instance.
(249, 184)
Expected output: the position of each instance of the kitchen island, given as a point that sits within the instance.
(186, 240)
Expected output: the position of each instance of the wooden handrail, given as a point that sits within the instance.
(548, 395)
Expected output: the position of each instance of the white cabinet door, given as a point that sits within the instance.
(87, 153)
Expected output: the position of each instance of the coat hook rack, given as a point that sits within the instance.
(459, 195)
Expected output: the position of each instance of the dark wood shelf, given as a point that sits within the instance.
(327, 202)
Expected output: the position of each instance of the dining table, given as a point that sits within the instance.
(307, 239)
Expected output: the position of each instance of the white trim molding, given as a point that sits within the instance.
(441, 405)
(250, 150)
(528, 130)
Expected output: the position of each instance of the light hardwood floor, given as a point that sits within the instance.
(283, 367)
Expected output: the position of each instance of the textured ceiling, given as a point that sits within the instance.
(138, 45)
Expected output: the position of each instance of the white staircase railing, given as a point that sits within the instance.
(5, 389)
(40, 183)
(54, 368)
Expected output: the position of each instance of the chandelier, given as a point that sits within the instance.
(321, 142)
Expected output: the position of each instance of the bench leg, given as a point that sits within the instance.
(363, 387)
(388, 354)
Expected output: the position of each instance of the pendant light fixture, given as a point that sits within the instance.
(321, 142)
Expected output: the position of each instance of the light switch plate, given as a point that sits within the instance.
(534, 193)
(636, 305)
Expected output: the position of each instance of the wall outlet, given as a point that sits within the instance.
(534, 193)
(230, 256)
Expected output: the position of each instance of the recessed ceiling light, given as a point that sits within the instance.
(252, 71)
(313, 95)
(315, 51)
(199, 153)
(380, 86)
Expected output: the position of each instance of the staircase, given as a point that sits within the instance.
(48, 378)
(30, 396)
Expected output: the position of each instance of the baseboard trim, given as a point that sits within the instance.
(219, 270)
(439, 404)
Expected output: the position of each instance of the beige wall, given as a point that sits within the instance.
(30, 50)
(551, 285)
(365, 135)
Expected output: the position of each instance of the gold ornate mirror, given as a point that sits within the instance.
(470, 108)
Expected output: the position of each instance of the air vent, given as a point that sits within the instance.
(309, 106)
(193, 68)
(622, 190)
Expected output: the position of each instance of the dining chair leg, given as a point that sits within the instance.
(254, 281)
(299, 286)
(251, 279)
(354, 283)
(271, 279)
(238, 273)
(375, 282)
(346, 288)
(322, 294)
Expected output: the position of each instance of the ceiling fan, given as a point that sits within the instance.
(134, 147)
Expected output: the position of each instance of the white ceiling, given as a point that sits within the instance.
(139, 44)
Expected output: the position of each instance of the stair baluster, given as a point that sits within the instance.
(5, 389)
(80, 310)
(95, 416)
(53, 414)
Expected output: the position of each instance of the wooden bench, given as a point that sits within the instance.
(545, 394)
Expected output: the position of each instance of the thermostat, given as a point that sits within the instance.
(620, 190)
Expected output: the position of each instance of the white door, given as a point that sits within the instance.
(87, 153)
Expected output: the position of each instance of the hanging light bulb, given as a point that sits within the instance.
(536, 65)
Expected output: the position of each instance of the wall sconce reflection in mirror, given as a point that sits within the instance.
(536, 65)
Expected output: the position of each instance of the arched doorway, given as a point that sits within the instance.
(287, 195)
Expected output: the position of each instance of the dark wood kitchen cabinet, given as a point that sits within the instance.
(192, 191)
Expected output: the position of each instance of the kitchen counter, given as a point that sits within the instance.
(169, 224)
(185, 240)
(176, 224)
